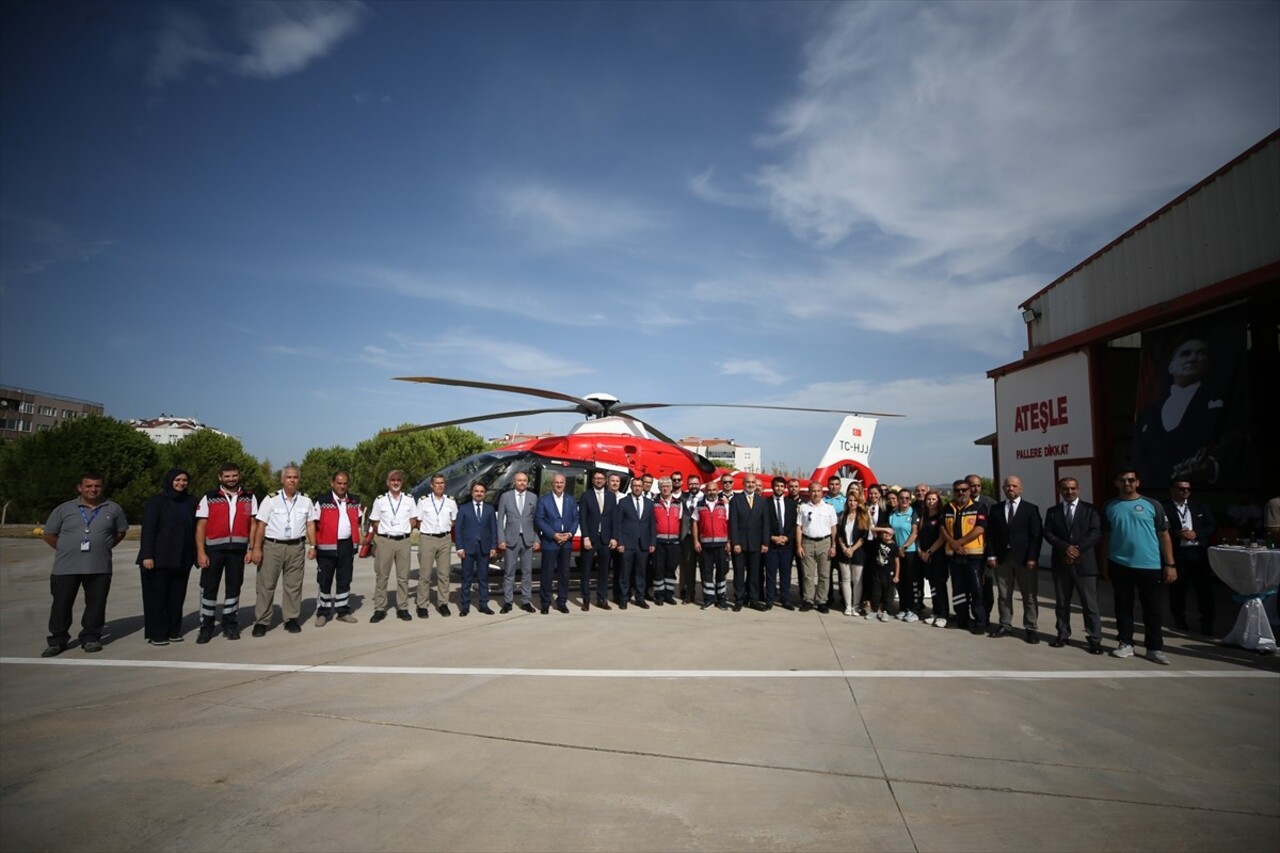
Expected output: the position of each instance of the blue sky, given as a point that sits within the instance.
(258, 213)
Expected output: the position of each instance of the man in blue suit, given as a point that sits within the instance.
(635, 531)
(477, 531)
(556, 520)
(596, 513)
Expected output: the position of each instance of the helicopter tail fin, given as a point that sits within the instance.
(849, 454)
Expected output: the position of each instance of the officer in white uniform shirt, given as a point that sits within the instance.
(436, 514)
(280, 536)
(392, 519)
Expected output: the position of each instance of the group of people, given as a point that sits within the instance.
(663, 541)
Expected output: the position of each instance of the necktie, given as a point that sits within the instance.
(780, 519)
(520, 502)
(477, 509)
(637, 507)
(1071, 514)
(1009, 520)
(751, 504)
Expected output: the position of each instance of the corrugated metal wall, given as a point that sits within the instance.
(1228, 226)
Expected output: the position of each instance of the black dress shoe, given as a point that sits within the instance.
(822, 608)
(203, 637)
(91, 646)
(424, 612)
(527, 607)
(1058, 642)
(586, 605)
(759, 607)
(442, 609)
(765, 608)
(787, 605)
(546, 608)
(642, 604)
(1000, 632)
(1095, 648)
(622, 605)
(293, 627)
(671, 599)
(562, 607)
(229, 633)
(403, 616)
(259, 630)
(805, 607)
(977, 631)
(737, 606)
(54, 650)
(378, 616)
(463, 611)
(506, 608)
(722, 605)
(659, 600)
(603, 605)
(1032, 638)
(486, 610)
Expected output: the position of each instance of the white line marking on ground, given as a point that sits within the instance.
(505, 672)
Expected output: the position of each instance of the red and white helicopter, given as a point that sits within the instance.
(612, 439)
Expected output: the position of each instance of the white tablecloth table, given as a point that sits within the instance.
(1254, 573)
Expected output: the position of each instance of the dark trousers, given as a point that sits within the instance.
(475, 570)
(228, 563)
(596, 562)
(746, 576)
(164, 594)
(663, 566)
(966, 590)
(1144, 585)
(909, 587)
(330, 565)
(879, 581)
(936, 571)
(1066, 583)
(1193, 572)
(715, 565)
(777, 573)
(64, 589)
(633, 566)
(687, 586)
(555, 562)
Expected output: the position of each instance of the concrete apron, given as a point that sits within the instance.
(671, 728)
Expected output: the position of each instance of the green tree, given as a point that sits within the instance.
(319, 465)
(202, 454)
(416, 453)
(39, 471)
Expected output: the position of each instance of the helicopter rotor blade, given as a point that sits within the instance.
(493, 417)
(626, 407)
(587, 407)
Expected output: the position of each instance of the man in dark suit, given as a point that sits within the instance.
(635, 531)
(749, 542)
(596, 515)
(556, 520)
(777, 562)
(477, 540)
(519, 540)
(1014, 536)
(1192, 526)
(1073, 529)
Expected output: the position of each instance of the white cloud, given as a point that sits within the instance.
(558, 217)
(263, 40)
(753, 368)
(975, 128)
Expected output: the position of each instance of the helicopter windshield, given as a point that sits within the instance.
(482, 467)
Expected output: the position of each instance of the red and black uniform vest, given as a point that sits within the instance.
(327, 526)
(713, 523)
(225, 533)
(667, 519)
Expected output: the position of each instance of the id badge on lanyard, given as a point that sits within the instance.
(88, 520)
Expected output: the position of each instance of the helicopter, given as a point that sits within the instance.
(613, 440)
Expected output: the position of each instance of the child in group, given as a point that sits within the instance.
(885, 569)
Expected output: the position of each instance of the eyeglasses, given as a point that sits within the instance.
(963, 489)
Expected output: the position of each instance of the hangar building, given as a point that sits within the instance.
(1159, 351)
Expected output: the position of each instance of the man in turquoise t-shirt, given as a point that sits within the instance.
(1140, 558)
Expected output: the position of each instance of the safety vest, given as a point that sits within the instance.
(961, 520)
(327, 526)
(713, 523)
(221, 532)
(667, 519)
